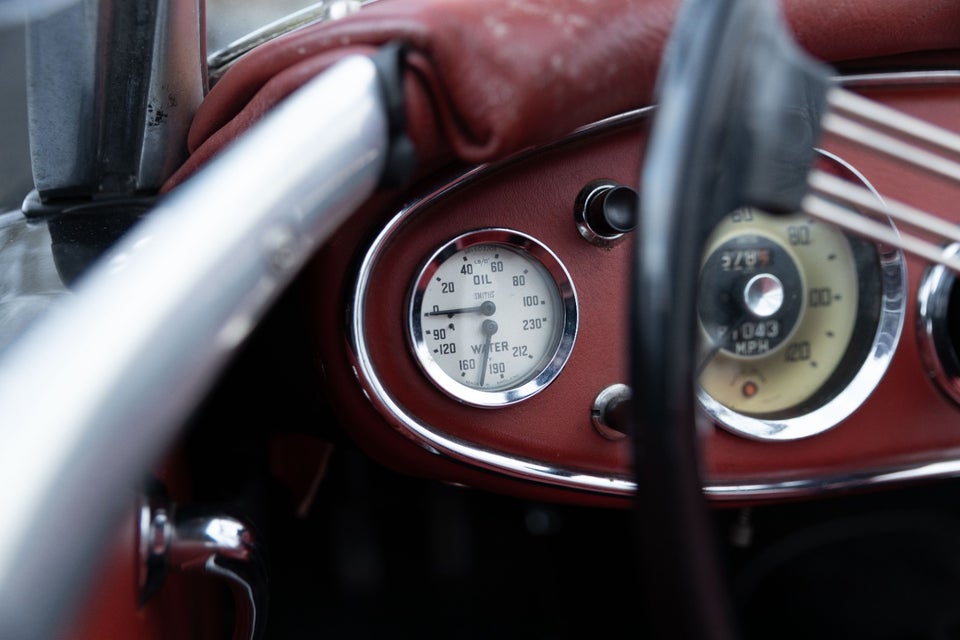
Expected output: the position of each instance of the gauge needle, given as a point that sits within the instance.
(707, 357)
(715, 346)
(488, 308)
(489, 327)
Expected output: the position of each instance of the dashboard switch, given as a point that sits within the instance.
(612, 413)
(605, 210)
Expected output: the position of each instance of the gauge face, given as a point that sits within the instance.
(790, 310)
(493, 317)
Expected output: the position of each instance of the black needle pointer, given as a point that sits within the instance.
(487, 309)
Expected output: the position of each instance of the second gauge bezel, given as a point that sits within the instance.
(861, 371)
(856, 377)
(560, 352)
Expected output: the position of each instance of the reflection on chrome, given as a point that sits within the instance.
(215, 544)
(936, 309)
(219, 61)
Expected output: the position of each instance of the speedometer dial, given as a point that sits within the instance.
(779, 299)
(792, 312)
(493, 317)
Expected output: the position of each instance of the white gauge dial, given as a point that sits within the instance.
(492, 317)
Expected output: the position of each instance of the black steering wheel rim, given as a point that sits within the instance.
(731, 91)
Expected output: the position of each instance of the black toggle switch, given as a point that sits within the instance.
(605, 210)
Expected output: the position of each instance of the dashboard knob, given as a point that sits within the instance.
(605, 210)
(612, 412)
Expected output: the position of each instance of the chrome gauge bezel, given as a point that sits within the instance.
(827, 409)
(558, 353)
(933, 331)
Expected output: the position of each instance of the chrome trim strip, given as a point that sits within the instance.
(102, 384)
(177, 84)
(112, 89)
(500, 463)
(221, 60)
(899, 79)
(921, 471)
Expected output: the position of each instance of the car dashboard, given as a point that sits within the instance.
(424, 399)
(839, 388)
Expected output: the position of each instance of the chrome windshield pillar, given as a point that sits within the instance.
(112, 86)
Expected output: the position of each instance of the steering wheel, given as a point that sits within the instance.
(765, 98)
(754, 146)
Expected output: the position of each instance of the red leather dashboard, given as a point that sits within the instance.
(905, 422)
(488, 81)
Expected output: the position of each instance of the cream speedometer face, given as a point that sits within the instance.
(493, 317)
(779, 302)
(790, 311)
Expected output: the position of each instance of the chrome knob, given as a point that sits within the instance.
(763, 295)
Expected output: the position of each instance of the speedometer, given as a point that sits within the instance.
(797, 320)
(493, 317)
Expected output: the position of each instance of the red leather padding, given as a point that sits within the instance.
(489, 78)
